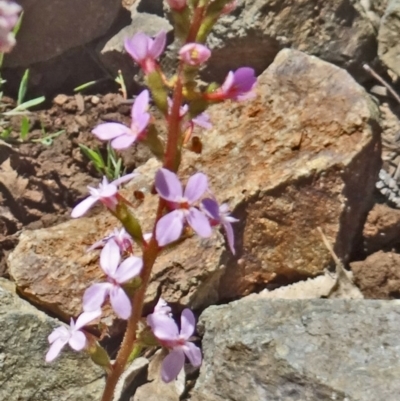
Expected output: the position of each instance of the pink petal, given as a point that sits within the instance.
(158, 45)
(193, 353)
(128, 269)
(188, 324)
(95, 295)
(229, 80)
(59, 332)
(86, 317)
(82, 207)
(124, 141)
(77, 341)
(124, 178)
(168, 185)
(120, 302)
(199, 222)
(55, 349)
(140, 105)
(196, 186)
(169, 227)
(108, 131)
(138, 46)
(163, 327)
(230, 237)
(211, 208)
(172, 365)
(110, 257)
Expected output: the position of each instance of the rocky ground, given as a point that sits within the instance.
(305, 312)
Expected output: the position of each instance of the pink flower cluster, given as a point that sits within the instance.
(9, 14)
(177, 341)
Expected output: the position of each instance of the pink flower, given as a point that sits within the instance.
(229, 7)
(219, 214)
(170, 226)
(9, 14)
(238, 85)
(117, 274)
(72, 335)
(121, 238)
(122, 136)
(106, 193)
(194, 54)
(162, 307)
(166, 331)
(145, 51)
(177, 5)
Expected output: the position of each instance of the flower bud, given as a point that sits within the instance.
(177, 5)
(194, 54)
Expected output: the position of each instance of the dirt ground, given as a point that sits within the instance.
(40, 182)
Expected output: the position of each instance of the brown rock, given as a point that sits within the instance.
(382, 228)
(304, 154)
(378, 276)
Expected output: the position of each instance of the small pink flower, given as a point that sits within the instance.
(121, 238)
(72, 335)
(145, 51)
(177, 5)
(170, 226)
(117, 274)
(122, 136)
(229, 7)
(9, 14)
(194, 54)
(106, 193)
(238, 85)
(166, 331)
(219, 214)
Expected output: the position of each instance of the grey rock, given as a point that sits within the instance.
(388, 37)
(24, 374)
(308, 350)
(112, 53)
(51, 28)
(338, 31)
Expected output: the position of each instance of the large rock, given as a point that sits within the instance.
(389, 31)
(24, 374)
(112, 53)
(51, 28)
(304, 154)
(323, 350)
(338, 31)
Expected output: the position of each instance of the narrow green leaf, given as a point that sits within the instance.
(84, 86)
(23, 86)
(93, 156)
(24, 128)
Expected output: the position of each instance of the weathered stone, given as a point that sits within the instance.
(389, 31)
(338, 31)
(257, 350)
(24, 374)
(304, 154)
(378, 276)
(51, 28)
(112, 53)
(382, 229)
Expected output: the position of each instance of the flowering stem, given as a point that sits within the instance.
(150, 254)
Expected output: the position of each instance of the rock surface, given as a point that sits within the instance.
(382, 229)
(378, 276)
(338, 31)
(51, 28)
(323, 350)
(389, 31)
(305, 154)
(24, 374)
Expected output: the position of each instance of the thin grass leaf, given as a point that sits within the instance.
(84, 86)
(94, 156)
(25, 106)
(23, 86)
(24, 128)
